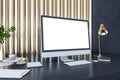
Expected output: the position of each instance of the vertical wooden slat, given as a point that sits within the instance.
(7, 26)
(32, 29)
(87, 9)
(76, 9)
(50, 7)
(22, 27)
(54, 7)
(36, 31)
(10, 24)
(82, 9)
(42, 3)
(58, 8)
(27, 27)
(16, 24)
(79, 12)
(0, 11)
(85, 12)
(46, 7)
(29, 30)
(24, 37)
(69, 8)
(72, 9)
(13, 38)
(18, 29)
(65, 8)
(62, 8)
(90, 22)
(39, 34)
(42, 13)
(4, 21)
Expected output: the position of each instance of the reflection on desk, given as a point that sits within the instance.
(58, 71)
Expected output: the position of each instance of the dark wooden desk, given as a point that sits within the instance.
(59, 71)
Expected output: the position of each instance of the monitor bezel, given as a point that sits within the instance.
(42, 35)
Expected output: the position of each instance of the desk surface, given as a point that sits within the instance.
(59, 71)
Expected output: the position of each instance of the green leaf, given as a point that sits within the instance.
(2, 29)
(5, 33)
(12, 29)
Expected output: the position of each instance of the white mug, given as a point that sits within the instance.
(12, 56)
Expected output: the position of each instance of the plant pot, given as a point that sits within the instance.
(1, 51)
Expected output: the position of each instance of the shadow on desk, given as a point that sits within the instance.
(112, 76)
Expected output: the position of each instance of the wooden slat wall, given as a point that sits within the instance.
(25, 15)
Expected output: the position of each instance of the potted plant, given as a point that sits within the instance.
(4, 34)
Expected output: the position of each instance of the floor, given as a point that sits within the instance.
(59, 71)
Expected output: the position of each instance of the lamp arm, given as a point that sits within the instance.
(99, 46)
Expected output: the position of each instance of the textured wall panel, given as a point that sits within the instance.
(25, 15)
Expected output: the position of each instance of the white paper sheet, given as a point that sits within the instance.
(13, 73)
(74, 63)
(34, 64)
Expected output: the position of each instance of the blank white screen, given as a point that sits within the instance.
(64, 34)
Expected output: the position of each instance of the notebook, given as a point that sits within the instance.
(13, 73)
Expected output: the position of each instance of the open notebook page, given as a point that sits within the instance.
(13, 73)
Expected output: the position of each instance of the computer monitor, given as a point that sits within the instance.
(64, 36)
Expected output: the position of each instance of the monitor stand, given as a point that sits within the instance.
(65, 59)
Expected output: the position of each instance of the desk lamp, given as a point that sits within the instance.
(101, 32)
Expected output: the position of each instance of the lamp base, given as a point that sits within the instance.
(104, 58)
(101, 58)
